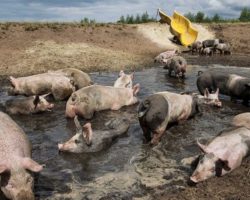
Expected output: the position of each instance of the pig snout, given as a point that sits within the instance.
(195, 178)
(60, 147)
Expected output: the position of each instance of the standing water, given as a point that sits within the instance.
(128, 168)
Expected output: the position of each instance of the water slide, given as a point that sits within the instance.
(180, 26)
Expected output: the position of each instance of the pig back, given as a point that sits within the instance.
(13, 140)
(180, 106)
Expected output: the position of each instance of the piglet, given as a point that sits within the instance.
(28, 105)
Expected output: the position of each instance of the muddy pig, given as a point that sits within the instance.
(86, 101)
(222, 154)
(28, 105)
(163, 108)
(165, 56)
(211, 43)
(177, 64)
(124, 80)
(15, 163)
(86, 140)
(80, 78)
(196, 47)
(60, 86)
(233, 85)
(223, 48)
(208, 51)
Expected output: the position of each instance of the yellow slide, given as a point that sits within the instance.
(181, 27)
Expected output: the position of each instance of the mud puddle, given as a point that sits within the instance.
(129, 168)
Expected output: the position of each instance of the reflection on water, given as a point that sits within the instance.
(128, 168)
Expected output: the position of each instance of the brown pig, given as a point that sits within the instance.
(178, 65)
(60, 86)
(15, 163)
(86, 101)
(28, 105)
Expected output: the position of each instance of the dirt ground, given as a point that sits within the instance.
(33, 48)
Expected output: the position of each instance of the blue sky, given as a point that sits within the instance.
(110, 10)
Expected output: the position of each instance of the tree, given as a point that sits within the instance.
(131, 19)
(122, 19)
(190, 16)
(199, 17)
(138, 19)
(144, 17)
(216, 18)
(245, 15)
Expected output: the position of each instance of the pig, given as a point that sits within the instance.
(163, 108)
(177, 64)
(223, 48)
(211, 43)
(196, 47)
(28, 105)
(164, 56)
(208, 51)
(15, 163)
(222, 154)
(86, 101)
(60, 86)
(235, 86)
(86, 140)
(242, 119)
(80, 78)
(124, 80)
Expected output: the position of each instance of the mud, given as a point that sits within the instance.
(130, 169)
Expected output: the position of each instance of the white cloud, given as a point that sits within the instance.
(110, 10)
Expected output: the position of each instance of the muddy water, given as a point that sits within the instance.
(128, 168)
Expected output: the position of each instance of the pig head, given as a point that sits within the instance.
(124, 80)
(16, 180)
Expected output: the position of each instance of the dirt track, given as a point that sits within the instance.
(28, 49)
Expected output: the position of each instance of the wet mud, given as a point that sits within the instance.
(129, 169)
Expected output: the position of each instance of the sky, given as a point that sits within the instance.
(111, 10)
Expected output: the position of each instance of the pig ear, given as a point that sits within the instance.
(31, 165)
(206, 93)
(217, 92)
(203, 147)
(219, 165)
(88, 133)
(121, 73)
(3, 168)
(136, 89)
(77, 123)
(36, 100)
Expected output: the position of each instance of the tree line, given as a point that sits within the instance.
(200, 17)
(137, 19)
